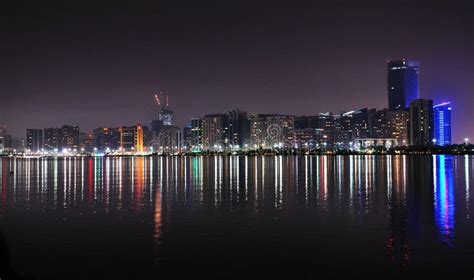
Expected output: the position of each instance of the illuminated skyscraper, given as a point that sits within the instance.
(398, 125)
(442, 123)
(139, 138)
(166, 116)
(215, 131)
(402, 81)
(132, 138)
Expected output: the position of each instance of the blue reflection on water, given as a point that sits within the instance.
(444, 198)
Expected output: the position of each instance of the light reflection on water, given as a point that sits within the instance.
(393, 200)
(444, 206)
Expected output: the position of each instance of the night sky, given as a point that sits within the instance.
(98, 63)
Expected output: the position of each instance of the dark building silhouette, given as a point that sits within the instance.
(325, 121)
(87, 142)
(52, 139)
(34, 139)
(421, 123)
(381, 124)
(6, 141)
(196, 131)
(70, 138)
(239, 128)
(106, 137)
(187, 135)
(359, 122)
(402, 83)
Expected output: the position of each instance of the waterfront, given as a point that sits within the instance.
(126, 217)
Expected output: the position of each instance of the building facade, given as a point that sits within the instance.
(421, 131)
(402, 82)
(239, 128)
(70, 138)
(131, 138)
(215, 131)
(169, 139)
(442, 123)
(270, 130)
(34, 140)
(196, 131)
(52, 139)
(399, 126)
(106, 138)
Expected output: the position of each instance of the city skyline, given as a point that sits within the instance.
(332, 59)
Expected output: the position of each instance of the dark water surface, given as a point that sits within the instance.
(124, 218)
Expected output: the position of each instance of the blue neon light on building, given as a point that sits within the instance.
(442, 123)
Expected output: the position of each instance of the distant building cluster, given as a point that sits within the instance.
(408, 121)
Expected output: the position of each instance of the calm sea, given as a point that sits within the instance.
(229, 217)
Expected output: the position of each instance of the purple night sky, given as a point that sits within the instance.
(100, 64)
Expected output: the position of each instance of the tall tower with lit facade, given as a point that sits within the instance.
(402, 82)
(131, 138)
(139, 138)
(442, 123)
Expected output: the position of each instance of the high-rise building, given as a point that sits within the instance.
(131, 138)
(402, 83)
(399, 126)
(52, 139)
(359, 122)
(187, 135)
(268, 130)
(34, 139)
(442, 123)
(381, 124)
(87, 142)
(166, 116)
(139, 139)
(6, 142)
(169, 139)
(196, 131)
(19, 144)
(70, 137)
(106, 138)
(239, 128)
(421, 131)
(127, 138)
(215, 131)
(325, 121)
(303, 122)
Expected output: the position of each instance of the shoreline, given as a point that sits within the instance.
(235, 155)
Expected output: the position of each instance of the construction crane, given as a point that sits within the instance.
(162, 99)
